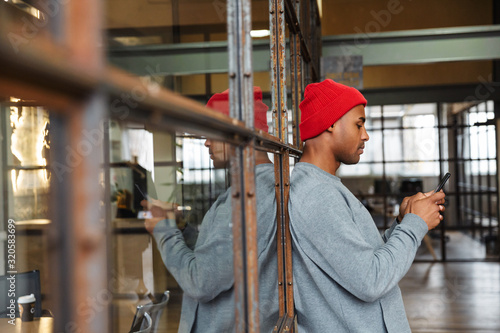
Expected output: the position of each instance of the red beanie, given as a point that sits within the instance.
(220, 102)
(324, 103)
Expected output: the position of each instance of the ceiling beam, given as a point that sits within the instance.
(387, 48)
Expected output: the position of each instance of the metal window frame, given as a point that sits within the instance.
(455, 162)
(304, 68)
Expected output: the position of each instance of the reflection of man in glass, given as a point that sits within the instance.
(205, 274)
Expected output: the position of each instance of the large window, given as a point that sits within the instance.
(410, 146)
(403, 142)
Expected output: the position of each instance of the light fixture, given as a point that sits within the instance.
(259, 33)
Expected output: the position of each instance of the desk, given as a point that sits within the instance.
(38, 325)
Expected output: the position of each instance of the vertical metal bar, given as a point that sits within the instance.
(4, 110)
(243, 168)
(496, 110)
(176, 27)
(293, 78)
(384, 176)
(278, 72)
(61, 234)
(471, 176)
(280, 121)
(441, 172)
(278, 176)
(108, 218)
(458, 170)
(245, 239)
(465, 198)
(239, 273)
(296, 79)
(287, 238)
(285, 280)
(204, 200)
(488, 181)
(307, 33)
(496, 107)
(78, 256)
(251, 240)
(479, 180)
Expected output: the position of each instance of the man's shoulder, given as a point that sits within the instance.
(307, 177)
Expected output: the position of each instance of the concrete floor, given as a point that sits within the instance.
(453, 297)
(439, 297)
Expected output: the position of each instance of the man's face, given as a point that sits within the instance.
(350, 136)
(219, 153)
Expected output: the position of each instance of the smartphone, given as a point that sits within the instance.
(143, 214)
(145, 196)
(442, 182)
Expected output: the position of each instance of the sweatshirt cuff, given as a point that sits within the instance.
(416, 224)
(163, 227)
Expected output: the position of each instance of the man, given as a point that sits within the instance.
(206, 273)
(345, 274)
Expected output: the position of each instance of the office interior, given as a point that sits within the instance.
(103, 105)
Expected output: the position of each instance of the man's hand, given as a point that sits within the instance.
(426, 205)
(159, 210)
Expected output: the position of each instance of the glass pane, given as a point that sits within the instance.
(25, 221)
(27, 20)
(191, 255)
(178, 45)
(156, 22)
(267, 244)
(186, 178)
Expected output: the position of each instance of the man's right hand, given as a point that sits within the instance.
(160, 210)
(428, 206)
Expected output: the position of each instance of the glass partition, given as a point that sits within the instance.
(29, 21)
(191, 257)
(24, 241)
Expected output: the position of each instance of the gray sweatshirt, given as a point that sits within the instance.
(205, 274)
(345, 274)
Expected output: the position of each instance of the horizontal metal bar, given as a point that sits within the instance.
(42, 66)
(418, 46)
(184, 59)
(430, 160)
(387, 48)
(133, 100)
(438, 93)
(272, 143)
(423, 34)
(449, 194)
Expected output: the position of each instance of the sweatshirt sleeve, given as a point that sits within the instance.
(389, 231)
(327, 233)
(202, 273)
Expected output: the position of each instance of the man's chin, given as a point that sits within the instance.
(351, 161)
(220, 164)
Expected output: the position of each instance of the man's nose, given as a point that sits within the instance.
(365, 136)
(207, 143)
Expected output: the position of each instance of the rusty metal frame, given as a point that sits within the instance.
(296, 73)
(81, 245)
(246, 275)
(303, 50)
(278, 97)
(281, 162)
(278, 68)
